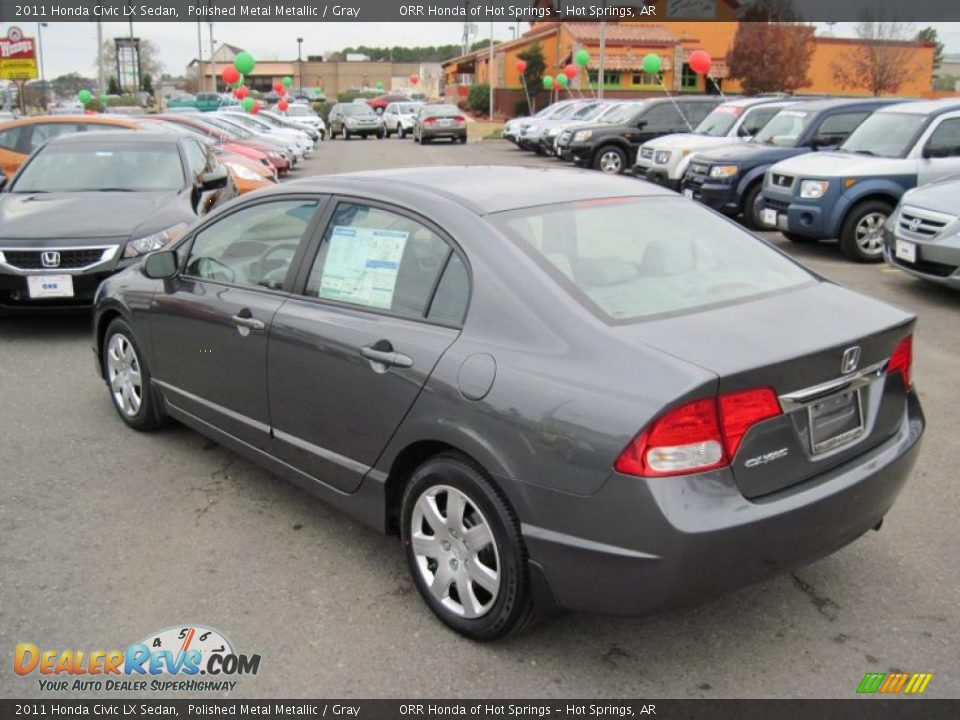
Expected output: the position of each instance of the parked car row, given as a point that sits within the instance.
(424, 122)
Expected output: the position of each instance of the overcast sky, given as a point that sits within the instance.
(71, 46)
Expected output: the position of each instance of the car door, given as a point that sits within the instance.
(11, 154)
(350, 352)
(390, 117)
(940, 153)
(209, 326)
(334, 118)
(658, 120)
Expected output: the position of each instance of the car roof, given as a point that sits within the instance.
(925, 107)
(487, 189)
(851, 103)
(122, 121)
(137, 138)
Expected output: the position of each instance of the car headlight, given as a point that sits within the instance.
(155, 241)
(813, 189)
(242, 171)
(553, 132)
(724, 171)
(582, 135)
(662, 157)
(531, 129)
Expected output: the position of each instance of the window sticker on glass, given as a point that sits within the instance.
(362, 265)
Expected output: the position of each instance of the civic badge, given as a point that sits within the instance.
(851, 360)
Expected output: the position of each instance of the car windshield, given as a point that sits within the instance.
(719, 122)
(441, 111)
(357, 109)
(300, 111)
(103, 166)
(628, 259)
(886, 134)
(784, 129)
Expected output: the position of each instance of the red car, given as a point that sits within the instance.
(379, 103)
(250, 147)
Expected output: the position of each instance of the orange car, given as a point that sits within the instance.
(19, 138)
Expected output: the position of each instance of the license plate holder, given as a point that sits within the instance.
(49, 286)
(688, 193)
(769, 217)
(906, 251)
(835, 421)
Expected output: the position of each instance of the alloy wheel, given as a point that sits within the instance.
(123, 374)
(456, 553)
(869, 233)
(610, 162)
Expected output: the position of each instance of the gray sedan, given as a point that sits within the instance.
(439, 121)
(922, 237)
(563, 391)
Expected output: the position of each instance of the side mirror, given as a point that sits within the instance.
(641, 124)
(160, 265)
(215, 179)
(929, 152)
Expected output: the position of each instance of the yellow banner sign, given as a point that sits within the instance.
(18, 69)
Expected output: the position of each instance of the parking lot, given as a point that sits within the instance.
(107, 535)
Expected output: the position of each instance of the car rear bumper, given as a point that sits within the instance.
(691, 538)
(433, 134)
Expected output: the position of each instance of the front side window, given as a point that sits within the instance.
(628, 259)
(886, 134)
(945, 140)
(145, 167)
(196, 157)
(253, 246)
(378, 259)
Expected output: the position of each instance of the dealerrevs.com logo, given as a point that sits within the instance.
(187, 658)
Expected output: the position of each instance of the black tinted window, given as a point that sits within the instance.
(453, 293)
(378, 259)
(661, 116)
(945, 140)
(10, 139)
(836, 128)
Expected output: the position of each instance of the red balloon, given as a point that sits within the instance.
(241, 92)
(521, 66)
(278, 86)
(230, 75)
(256, 107)
(700, 62)
(283, 105)
(571, 71)
(414, 79)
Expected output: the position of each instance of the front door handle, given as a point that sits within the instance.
(244, 320)
(383, 354)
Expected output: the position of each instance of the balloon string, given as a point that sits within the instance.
(717, 86)
(685, 121)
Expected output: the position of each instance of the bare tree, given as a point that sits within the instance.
(883, 60)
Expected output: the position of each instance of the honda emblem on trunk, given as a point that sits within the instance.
(50, 259)
(851, 360)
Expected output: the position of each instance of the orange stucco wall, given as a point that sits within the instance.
(828, 51)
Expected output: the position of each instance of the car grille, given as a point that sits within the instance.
(783, 181)
(68, 259)
(920, 223)
(778, 205)
(646, 153)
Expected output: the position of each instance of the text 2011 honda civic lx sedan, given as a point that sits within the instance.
(563, 390)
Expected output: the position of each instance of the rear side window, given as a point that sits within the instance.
(10, 139)
(627, 259)
(453, 294)
(378, 259)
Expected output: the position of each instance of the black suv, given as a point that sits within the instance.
(613, 148)
(730, 178)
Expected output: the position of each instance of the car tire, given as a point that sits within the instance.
(346, 134)
(128, 379)
(799, 239)
(401, 133)
(861, 235)
(383, 134)
(750, 218)
(610, 159)
(495, 599)
(462, 139)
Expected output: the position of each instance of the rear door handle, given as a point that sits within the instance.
(389, 358)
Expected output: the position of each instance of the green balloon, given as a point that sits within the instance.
(652, 64)
(548, 83)
(84, 96)
(248, 104)
(317, 91)
(244, 63)
(104, 98)
(562, 80)
(581, 58)
(379, 85)
(287, 81)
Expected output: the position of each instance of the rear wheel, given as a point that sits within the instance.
(610, 159)
(128, 378)
(401, 132)
(464, 549)
(861, 236)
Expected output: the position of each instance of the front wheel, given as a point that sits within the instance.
(401, 133)
(750, 218)
(610, 159)
(861, 236)
(128, 378)
(464, 549)
(346, 134)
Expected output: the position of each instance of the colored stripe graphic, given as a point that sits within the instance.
(908, 683)
(918, 683)
(871, 682)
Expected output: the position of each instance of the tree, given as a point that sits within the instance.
(67, 86)
(485, 43)
(112, 87)
(478, 99)
(147, 83)
(929, 34)
(771, 51)
(533, 75)
(883, 59)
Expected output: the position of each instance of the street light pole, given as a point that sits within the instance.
(490, 72)
(299, 66)
(213, 65)
(43, 76)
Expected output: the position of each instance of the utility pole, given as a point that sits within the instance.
(300, 65)
(603, 55)
(490, 72)
(101, 86)
(200, 72)
(213, 65)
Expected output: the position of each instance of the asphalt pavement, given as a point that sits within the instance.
(107, 535)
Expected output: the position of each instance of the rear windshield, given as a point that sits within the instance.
(357, 109)
(627, 259)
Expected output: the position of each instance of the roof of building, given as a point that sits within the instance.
(622, 34)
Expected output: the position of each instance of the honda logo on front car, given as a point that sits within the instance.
(50, 259)
(851, 360)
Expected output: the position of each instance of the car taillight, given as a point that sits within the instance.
(902, 361)
(459, 120)
(430, 121)
(698, 436)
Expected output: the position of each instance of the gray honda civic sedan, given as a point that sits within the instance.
(563, 391)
